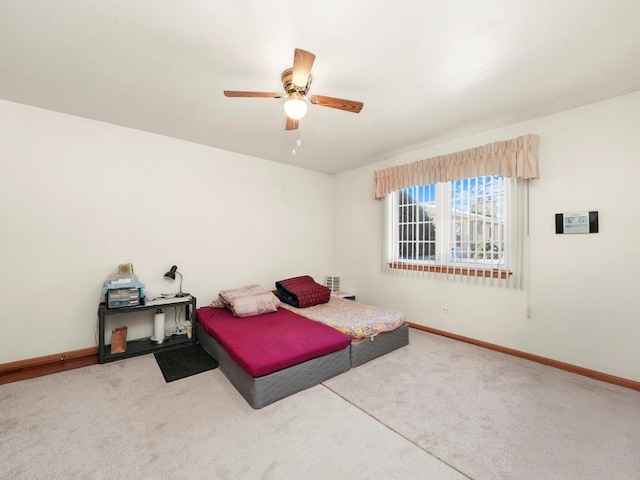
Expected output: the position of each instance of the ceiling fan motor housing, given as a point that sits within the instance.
(291, 88)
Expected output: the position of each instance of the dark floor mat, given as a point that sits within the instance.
(182, 362)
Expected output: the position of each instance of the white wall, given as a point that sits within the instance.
(78, 197)
(585, 305)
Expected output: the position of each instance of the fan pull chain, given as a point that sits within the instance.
(298, 143)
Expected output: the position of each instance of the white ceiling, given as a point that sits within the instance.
(428, 71)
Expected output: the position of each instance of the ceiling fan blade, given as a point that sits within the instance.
(233, 93)
(302, 63)
(339, 103)
(291, 124)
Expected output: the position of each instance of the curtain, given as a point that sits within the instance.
(515, 158)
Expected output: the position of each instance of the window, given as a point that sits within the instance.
(468, 219)
(460, 227)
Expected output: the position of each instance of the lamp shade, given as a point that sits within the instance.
(172, 273)
(295, 108)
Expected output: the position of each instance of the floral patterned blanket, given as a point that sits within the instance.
(356, 319)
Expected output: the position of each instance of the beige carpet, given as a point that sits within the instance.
(497, 417)
(437, 409)
(123, 421)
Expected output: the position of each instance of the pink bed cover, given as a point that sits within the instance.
(270, 342)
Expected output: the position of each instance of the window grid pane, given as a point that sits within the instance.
(416, 224)
(475, 222)
(477, 213)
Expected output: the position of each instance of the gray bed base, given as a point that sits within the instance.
(260, 392)
(365, 350)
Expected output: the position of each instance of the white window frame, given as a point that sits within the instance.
(445, 261)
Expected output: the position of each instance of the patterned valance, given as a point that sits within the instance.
(509, 158)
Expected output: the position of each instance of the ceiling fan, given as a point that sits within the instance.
(296, 82)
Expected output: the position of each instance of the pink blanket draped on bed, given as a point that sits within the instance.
(264, 344)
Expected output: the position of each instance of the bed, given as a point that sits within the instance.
(270, 356)
(373, 331)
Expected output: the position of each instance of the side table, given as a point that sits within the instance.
(143, 345)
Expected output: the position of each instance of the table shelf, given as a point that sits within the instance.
(143, 346)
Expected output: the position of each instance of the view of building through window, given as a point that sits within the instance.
(459, 222)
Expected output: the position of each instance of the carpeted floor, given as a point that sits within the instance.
(494, 416)
(437, 409)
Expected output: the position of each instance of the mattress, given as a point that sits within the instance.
(358, 320)
(374, 331)
(262, 391)
(264, 344)
(367, 350)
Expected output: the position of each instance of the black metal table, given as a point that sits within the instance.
(144, 345)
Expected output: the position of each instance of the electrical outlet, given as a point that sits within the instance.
(446, 309)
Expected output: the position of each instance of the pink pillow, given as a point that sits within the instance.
(250, 300)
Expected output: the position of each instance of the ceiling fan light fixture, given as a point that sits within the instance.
(295, 83)
(295, 108)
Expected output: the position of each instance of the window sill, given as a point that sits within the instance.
(452, 270)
